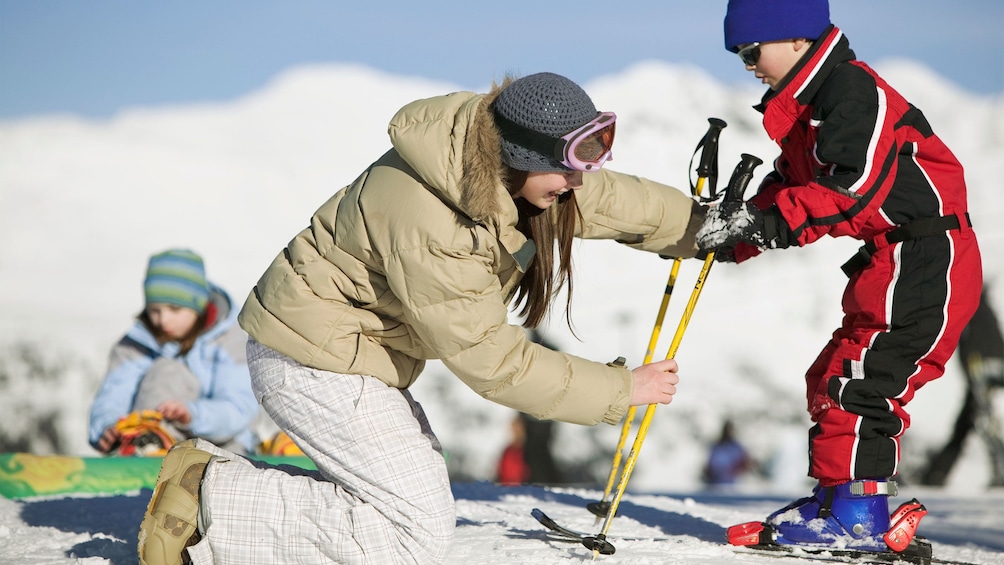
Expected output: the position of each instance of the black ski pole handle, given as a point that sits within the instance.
(741, 177)
(709, 157)
(707, 167)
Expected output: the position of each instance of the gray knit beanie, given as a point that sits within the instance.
(545, 103)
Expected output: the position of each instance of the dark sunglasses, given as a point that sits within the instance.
(750, 54)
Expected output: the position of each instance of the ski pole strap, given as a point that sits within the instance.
(707, 167)
(916, 229)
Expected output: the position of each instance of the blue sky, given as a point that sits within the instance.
(93, 58)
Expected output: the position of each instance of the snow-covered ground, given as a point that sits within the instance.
(494, 526)
(83, 204)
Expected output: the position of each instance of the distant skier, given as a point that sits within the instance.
(727, 460)
(856, 160)
(981, 351)
(538, 450)
(180, 371)
(475, 206)
(527, 459)
(512, 469)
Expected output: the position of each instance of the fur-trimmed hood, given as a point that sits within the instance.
(452, 142)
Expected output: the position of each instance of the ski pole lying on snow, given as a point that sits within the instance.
(737, 186)
(707, 171)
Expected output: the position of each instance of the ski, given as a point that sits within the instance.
(856, 557)
(903, 543)
(901, 540)
(780, 552)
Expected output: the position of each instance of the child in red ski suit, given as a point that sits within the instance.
(856, 160)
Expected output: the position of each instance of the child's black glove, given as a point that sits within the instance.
(731, 222)
(722, 254)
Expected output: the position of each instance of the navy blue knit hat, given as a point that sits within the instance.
(177, 276)
(749, 21)
(545, 103)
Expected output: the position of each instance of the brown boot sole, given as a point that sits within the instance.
(171, 521)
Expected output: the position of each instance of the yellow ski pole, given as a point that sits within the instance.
(600, 508)
(707, 170)
(737, 185)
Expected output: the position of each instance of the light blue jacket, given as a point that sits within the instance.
(226, 406)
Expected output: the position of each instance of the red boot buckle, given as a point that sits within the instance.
(905, 521)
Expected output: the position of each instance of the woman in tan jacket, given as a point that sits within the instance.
(419, 258)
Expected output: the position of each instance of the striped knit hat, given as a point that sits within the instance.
(177, 276)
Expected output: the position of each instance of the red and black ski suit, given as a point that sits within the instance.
(859, 160)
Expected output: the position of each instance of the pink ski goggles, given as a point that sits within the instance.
(585, 148)
(588, 147)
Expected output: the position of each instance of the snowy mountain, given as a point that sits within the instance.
(83, 203)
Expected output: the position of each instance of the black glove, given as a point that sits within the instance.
(731, 222)
(725, 255)
(722, 254)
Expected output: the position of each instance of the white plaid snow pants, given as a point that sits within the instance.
(381, 494)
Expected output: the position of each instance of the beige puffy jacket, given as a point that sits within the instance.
(419, 258)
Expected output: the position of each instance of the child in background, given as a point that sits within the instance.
(856, 160)
(184, 359)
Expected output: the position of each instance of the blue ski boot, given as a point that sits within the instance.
(849, 518)
(853, 515)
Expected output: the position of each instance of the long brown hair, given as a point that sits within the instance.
(549, 229)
